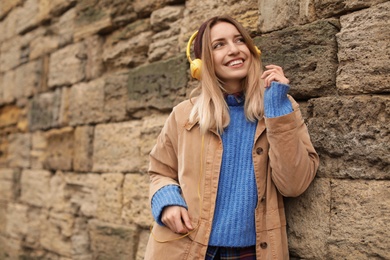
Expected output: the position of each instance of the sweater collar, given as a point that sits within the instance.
(235, 99)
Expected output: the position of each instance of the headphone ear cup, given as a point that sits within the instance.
(258, 50)
(195, 67)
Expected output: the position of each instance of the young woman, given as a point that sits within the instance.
(225, 159)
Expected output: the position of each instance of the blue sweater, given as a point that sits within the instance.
(234, 218)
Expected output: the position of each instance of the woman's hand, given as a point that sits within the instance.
(274, 73)
(176, 218)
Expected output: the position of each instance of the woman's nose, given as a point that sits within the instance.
(233, 49)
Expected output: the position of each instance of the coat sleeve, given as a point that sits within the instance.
(163, 160)
(293, 159)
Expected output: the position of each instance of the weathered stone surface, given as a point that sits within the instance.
(60, 149)
(65, 26)
(3, 219)
(83, 191)
(87, 102)
(17, 214)
(136, 207)
(80, 240)
(164, 44)
(359, 215)
(38, 148)
(327, 8)
(111, 241)
(92, 21)
(57, 7)
(115, 96)
(7, 86)
(145, 8)
(116, 147)
(9, 116)
(9, 185)
(28, 79)
(307, 55)
(83, 148)
(110, 197)
(161, 19)
(4, 143)
(159, 85)
(279, 14)
(308, 221)
(129, 52)
(31, 13)
(10, 54)
(67, 65)
(351, 134)
(56, 234)
(44, 109)
(143, 240)
(7, 5)
(35, 187)
(64, 109)
(364, 68)
(19, 150)
(43, 44)
(94, 49)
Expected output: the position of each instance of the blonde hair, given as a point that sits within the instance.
(210, 108)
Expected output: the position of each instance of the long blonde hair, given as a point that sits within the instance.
(210, 109)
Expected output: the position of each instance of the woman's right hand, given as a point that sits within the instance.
(176, 218)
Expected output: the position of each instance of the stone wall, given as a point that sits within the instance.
(86, 85)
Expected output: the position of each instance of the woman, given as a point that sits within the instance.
(225, 159)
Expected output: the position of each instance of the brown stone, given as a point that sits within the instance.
(19, 150)
(110, 197)
(9, 185)
(7, 5)
(38, 150)
(9, 116)
(328, 8)
(364, 68)
(83, 148)
(115, 96)
(35, 187)
(60, 149)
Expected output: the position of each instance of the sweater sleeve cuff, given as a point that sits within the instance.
(169, 195)
(276, 102)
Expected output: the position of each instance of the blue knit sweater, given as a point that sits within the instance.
(234, 217)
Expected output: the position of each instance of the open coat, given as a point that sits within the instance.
(285, 164)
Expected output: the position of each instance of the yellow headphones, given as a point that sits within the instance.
(196, 65)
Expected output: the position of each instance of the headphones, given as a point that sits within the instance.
(196, 65)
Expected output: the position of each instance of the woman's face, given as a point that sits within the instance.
(231, 55)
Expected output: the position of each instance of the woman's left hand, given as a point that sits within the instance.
(274, 73)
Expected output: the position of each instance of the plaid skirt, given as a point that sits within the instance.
(231, 253)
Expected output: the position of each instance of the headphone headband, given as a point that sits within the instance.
(192, 38)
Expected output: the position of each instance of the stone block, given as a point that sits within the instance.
(8, 85)
(351, 136)
(161, 19)
(10, 248)
(83, 150)
(364, 67)
(4, 143)
(35, 187)
(275, 15)
(328, 8)
(9, 116)
(164, 44)
(92, 20)
(87, 102)
(64, 27)
(10, 54)
(38, 150)
(7, 5)
(28, 79)
(111, 241)
(64, 110)
(67, 65)
(19, 150)
(115, 96)
(3, 219)
(16, 220)
(126, 53)
(159, 85)
(58, 195)
(44, 110)
(81, 240)
(83, 192)
(110, 200)
(145, 8)
(308, 218)
(57, 7)
(44, 44)
(9, 184)
(359, 220)
(60, 149)
(94, 48)
(307, 54)
(143, 241)
(136, 207)
(57, 232)
(116, 147)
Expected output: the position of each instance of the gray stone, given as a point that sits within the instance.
(307, 55)
(351, 134)
(159, 85)
(44, 109)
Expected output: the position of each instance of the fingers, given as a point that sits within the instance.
(176, 218)
(274, 73)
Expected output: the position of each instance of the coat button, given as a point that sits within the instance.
(263, 245)
(262, 199)
(259, 150)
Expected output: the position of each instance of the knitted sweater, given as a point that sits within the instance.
(233, 223)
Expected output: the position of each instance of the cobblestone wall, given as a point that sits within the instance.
(86, 85)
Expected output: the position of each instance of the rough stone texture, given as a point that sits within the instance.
(35, 187)
(369, 209)
(364, 68)
(110, 241)
(308, 219)
(283, 13)
(67, 65)
(307, 54)
(87, 102)
(156, 86)
(86, 86)
(351, 134)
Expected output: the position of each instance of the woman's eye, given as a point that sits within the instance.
(217, 45)
(240, 40)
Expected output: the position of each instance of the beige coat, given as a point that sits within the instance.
(285, 170)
